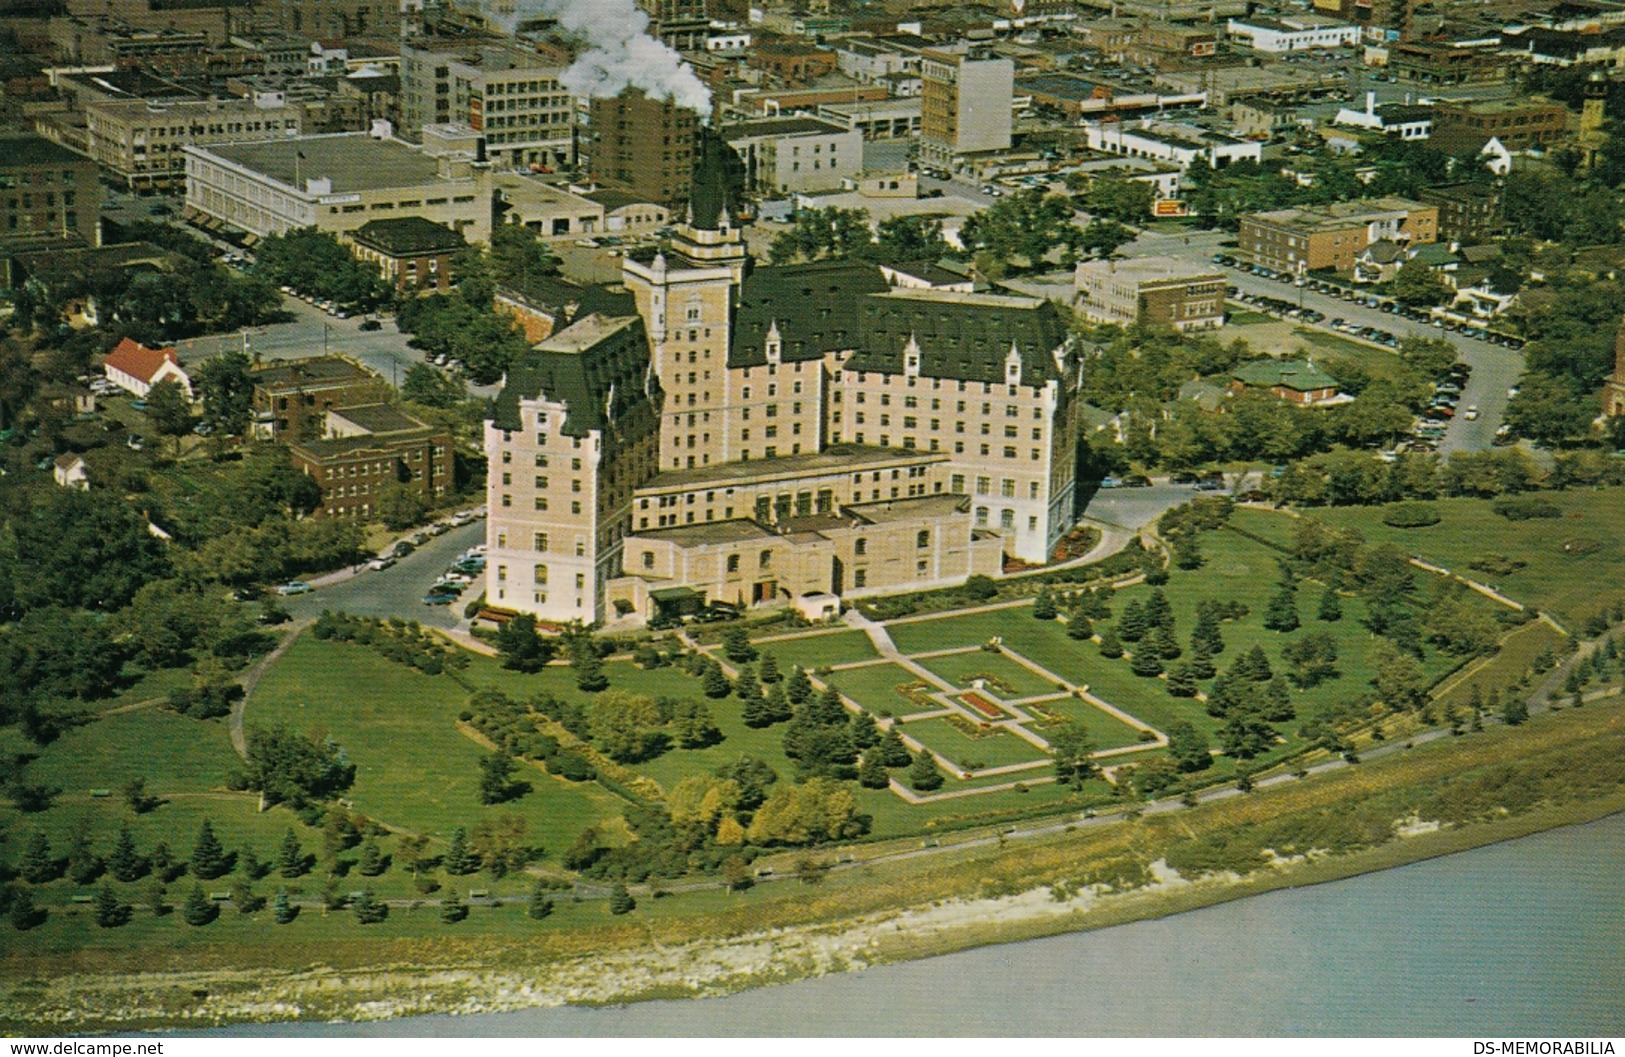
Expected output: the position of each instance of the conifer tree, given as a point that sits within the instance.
(863, 730)
(1134, 625)
(453, 910)
(1044, 605)
(924, 775)
(1145, 662)
(1206, 632)
(779, 707)
(111, 911)
(768, 670)
(282, 909)
(23, 913)
(756, 713)
(872, 770)
(38, 865)
(1181, 683)
(1278, 701)
(372, 860)
(198, 910)
(290, 857)
(1158, 612)
(893, 753)
(798, 688)
(125, 863)
(1078, 625)
(1109, 646)
(1162, 644)
(1331, 607)
(459, 861)
(1201, 663)
(621, 901)
(714, 683)
(541, 904)
(1282, 612)
(208, 856)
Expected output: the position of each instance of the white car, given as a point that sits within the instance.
(1470, 414)
(380, 563)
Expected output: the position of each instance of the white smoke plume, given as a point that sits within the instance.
(620, 53)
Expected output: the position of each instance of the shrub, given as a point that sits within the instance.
(1410, 514)
(1526, 509)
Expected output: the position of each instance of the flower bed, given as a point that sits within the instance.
(983, 705)
(971, 729)
(918, 693)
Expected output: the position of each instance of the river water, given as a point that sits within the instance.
(1520, 939)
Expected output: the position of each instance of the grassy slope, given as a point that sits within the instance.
(1570, 586)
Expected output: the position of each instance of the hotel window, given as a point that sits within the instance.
(733, 563)
(541, 575)
(539, 541)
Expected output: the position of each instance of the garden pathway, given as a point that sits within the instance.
(251, 679)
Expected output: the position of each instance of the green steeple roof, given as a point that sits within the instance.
(717, 177)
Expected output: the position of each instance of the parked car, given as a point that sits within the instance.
(402, 549)
(438, 598)
(1110, 482)
(1471, 413)
(1136, 480)
(294, 587)
(371, 324)
(138, 405)
(382, 562)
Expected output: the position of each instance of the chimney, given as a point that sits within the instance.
(382, 128)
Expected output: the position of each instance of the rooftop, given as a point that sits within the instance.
(311, 373)
(711, 533)
(1150, 269)
(339, 447)
(378, 418)
(354, 161)
(20, 152)
(909, 509)
(1298, 375)
(780, 126)
(399, 236)
(835, 458)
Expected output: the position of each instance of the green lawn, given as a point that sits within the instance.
(968, 629)
(174, 754)
(413, 768)
(961, 668)
(820, 649)
(874, 686)
(1570, 585)
(992, 750)
(1108, 731)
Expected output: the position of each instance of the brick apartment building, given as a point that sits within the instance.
(369, 448)
(292, 398)
(1328, 238)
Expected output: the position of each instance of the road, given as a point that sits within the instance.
(1495, 368)
(398, 591)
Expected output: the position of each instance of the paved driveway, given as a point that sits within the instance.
(398, 591)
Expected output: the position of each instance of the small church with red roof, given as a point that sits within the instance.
(135, 368)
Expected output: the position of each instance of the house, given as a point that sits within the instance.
(1295, 381)
(135, 368)
(69, 471)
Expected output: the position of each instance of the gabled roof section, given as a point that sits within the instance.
(814, 306)
(138, 361)
(964, 337)
(1300, 376)
(597, 367)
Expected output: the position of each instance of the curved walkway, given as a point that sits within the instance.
(251, 679)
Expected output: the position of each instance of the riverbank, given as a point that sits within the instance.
(1086, 879)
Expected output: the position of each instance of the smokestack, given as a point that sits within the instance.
(619, 52)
